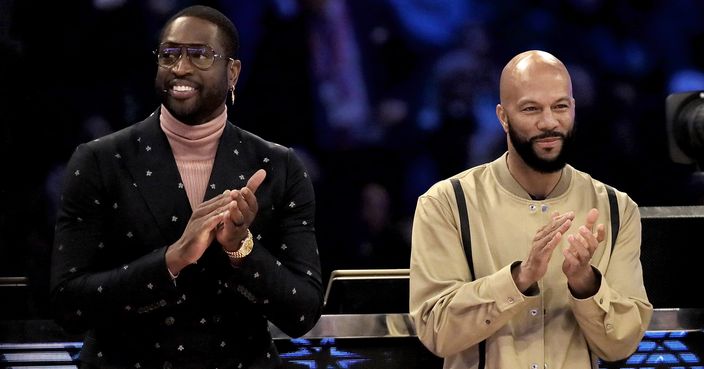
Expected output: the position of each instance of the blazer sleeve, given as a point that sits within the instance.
(286, 284)
(84, 293)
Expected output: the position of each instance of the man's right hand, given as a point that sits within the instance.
(546, 239)
(199, 233)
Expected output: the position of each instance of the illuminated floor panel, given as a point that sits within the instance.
(658, 350)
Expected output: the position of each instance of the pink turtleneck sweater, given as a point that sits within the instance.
(194, 149)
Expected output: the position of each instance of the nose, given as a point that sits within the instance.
(183, 64)
(548, 121)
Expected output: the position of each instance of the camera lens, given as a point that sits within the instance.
(688, 129)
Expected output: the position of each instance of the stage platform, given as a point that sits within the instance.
(675, 339)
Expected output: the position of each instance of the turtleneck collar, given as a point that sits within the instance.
(199, 142)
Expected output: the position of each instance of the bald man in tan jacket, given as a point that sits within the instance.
(555, 284)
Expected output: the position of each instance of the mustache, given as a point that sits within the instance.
(548, 135)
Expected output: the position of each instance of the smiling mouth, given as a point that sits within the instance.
(182, 91)
(182, 88)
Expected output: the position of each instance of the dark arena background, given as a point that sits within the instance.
(420, 81)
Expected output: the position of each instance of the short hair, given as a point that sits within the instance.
(224, 24)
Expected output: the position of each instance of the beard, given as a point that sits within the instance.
(196, 111)
(524, 148)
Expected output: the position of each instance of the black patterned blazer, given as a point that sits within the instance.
(124, 203)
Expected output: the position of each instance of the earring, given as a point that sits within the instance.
(232, 94)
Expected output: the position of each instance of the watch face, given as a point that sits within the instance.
(245, 247)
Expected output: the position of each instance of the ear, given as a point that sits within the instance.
(233, 72)
(503, 118)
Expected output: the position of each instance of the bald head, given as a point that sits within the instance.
(527, 68)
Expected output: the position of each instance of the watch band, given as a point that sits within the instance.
(245, 247)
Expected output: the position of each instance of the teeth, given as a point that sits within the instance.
(182, 88)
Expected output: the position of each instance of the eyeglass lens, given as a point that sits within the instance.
(200, 56)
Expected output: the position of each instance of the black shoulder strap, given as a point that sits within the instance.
(467, 245)
(615, 217)
(464, 224)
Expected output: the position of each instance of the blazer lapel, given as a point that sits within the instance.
(233, 163)
(157, 178)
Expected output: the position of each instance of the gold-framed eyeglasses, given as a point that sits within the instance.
(201, 56)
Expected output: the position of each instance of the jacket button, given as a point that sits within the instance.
(169, 321)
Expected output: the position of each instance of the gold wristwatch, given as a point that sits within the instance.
(245, 247)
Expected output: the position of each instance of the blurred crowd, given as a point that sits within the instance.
(381, 98)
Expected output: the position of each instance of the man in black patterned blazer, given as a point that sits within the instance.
(181, 237)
